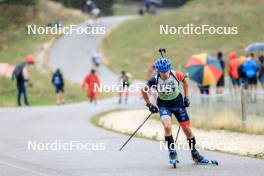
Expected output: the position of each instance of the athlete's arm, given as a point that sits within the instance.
(152, 108)
(184, 79)
(144, 92)
(186, 100)
(186, 87)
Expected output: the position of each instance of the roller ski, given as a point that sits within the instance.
(200, 160)
(173, 158)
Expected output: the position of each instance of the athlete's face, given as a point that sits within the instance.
(165, 75)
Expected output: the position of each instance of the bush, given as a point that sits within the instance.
(23, 2)
(174, 2)
(104, 5)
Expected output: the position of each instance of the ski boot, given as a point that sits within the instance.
(173, 158)
(199, 159)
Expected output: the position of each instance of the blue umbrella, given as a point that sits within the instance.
(255, 47)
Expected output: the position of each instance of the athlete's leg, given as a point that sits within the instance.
(166, 122)
(183, 118)
(189, 135)
(185, 125)
(169, 138)
(165, 116)
(192, 142)
(187, 131)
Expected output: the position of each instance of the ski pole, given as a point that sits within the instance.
(135, 132)
(162, 50)
(177, 133)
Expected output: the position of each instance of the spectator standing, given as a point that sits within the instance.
(204, 89)
(125, 79)
(92, 82)
(221, 82)
(242, 76)
(261, 71)
(233, 65)
(21, 75)
(251, 68)
(58, 82)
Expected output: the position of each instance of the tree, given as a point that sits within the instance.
(105, 6)
(23, 2)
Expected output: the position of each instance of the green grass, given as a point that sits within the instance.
(126, 8)
(41, 93)
(137, 41)
(17, 43)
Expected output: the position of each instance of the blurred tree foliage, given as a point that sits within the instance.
(22, 2)
(15, 14)
(104, 5)
(174, 2)
(165, 2)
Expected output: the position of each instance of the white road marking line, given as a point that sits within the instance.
(22, 168)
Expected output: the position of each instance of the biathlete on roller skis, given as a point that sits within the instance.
(171, 101)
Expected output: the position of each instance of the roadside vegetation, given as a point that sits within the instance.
(219, 122)
(138, 40)
(97, 121)
(16, 44)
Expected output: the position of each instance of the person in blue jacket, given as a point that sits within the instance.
(251, 68)
(58, 82)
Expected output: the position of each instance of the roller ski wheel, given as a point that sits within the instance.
(200, 160)
(207, 162)
(174, 163)
(173, 158)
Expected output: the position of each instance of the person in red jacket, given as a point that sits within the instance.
(233, 65)
(91, 81)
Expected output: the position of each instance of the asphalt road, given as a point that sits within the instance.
(73, 53)
(18, 126)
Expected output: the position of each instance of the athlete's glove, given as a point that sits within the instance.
(152, 108)
(186, 102)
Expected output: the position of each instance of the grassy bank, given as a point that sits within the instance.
(139, 40)
(16, 43)
(101, 120)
